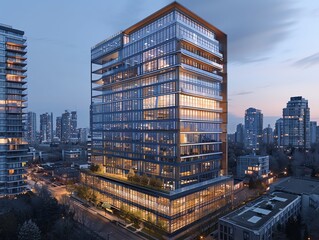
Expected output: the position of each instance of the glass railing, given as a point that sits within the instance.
(16, 67)
(194, 69)
(16, 73)
(18, 49)
(10, 54)
(109, 63)
(201, 45)
(184, 51)
(16, 60)
(186, 90)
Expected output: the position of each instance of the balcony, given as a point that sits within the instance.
(16, 86)
(197, 44)
(205, 60)
(15, 55)
(107, 65)
(16, 49)
(16, 61)
(197, 70)
(16, 68)
(18, 73)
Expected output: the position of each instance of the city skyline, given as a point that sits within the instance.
(269, 55)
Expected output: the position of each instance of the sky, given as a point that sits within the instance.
(273, 49)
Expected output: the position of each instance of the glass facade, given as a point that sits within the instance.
(159, 103)
(13, 149)
(171, 212)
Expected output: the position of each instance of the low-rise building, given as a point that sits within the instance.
(253, 165)
(257, 220)
(71, 155)
(308, 189)
(66, 174)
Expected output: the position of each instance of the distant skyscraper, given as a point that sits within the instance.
(297, 123)
(253, 128)
(73, 125)
(31, 127)
(279, 132)
(159, 111)
(66, 127)
(83, 134)
(13, 154)
(240, 134)
(46, 128)
(313, 132)
(268, 135)
(58, 127)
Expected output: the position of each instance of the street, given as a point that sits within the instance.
(86, 215)
(99, 224)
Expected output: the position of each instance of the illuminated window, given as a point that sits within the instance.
(11, 171)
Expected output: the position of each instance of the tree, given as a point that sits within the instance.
(144, 179)
(29, 231)
(130, 174)
(95, 168)
(8, 225)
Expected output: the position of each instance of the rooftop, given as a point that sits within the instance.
(254, 215)
(297, 186)
(9, 28)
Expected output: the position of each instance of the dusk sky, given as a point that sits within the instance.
(273, 49)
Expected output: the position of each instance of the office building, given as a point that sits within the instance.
(261, 218)
(313, 132)
(159, 113)
(13, 154)
(253, 165)
(240, 134)
(46, 128)
(253, 128)
(279, 133)
(58, 128)
(31, 128)
(268, 135)
(296, 121)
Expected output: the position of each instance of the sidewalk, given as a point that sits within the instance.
(114, 219)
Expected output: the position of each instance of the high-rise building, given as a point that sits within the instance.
(73, 125)
(268, 135)
(313, 132)
(58, 127)
(240, 133)
(83, 134)
(69, 131)
(159, 120)
(46, 128)
(296, 122)
(31, 128)
(279, 133)
(13, 154)
(253, 128)
(66, 127)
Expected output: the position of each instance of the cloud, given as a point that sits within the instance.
(254, 28)
(242, 93)
(307, 61)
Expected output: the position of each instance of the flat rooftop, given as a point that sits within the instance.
(255, 214)
(297, 186)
